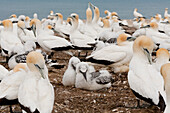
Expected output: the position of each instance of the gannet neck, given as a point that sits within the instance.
(88, 16)
(96, 15)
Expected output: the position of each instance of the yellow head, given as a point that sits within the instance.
(49, 26)
(13, 16)
(154, 25)
(166, 9)
(7, 24)
(21, 24)
(27, 18)
(106, 12)
(20, 66)
(122, 38)
(157, 17)
(162, 53)
(34, 22)
(136, 9)
(114, 14)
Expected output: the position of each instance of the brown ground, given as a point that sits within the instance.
(117, 99)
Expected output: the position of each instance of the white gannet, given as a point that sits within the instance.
(142, 72)
(116, 56)
(21, 18)
(46, 41)
(166, 13)
(91, 81)
(8, 39)
(3, 72)
(158, 37)
(13, 18)
(35, 16)
(162, 57)
(27, 22)
(36, 94)
(69, 76)
(137, 14)
(165, 71)
(78, 39)
(24, 34)
(9, 86)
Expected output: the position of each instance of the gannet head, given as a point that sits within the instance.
(162, 53)
(35, 62)
(153, 25)
(122, 38)
(13, 16)
(21, 24)
(135, 9)
(51, 12)
(19, 67)
(27, 19)
(114, 14)
(7, 24)
(35, 24)
(95, 9)
(144, 45)
(106, 12)
(166, 9)
(82, 68)
(73, 62)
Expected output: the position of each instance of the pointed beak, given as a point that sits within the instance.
(167, 22)
(148, 54)
(147, 26)
(23, 30)
(131, 38)
(92, 6)
(40, 70)
(33, 28)
(84, 75)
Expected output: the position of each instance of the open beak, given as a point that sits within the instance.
(147, 26)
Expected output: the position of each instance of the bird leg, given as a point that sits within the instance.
(10, 107)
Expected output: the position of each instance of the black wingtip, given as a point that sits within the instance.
(104, 62)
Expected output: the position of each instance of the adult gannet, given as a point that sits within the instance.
(9, 86)
(166, 13)
(36, 94)
(162, 57)
(137, 14)
(165, 71)
(21, 18)
(24, 34)
(13, 18)
(78, 39)
(142, 72)
(35, 16)
(91, 81)
(158, 37)
(46, 41)
(8, 39)
(69, 76)
(27, 22)
(117, 56)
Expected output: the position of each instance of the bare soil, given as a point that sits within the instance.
(117, 99)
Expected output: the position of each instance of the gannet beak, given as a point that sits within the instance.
(148, 55)
(167, 22)
(92, 6)
(147, 26)
(40, 70)
(84, 74)
(33, 28)
(23, 30)
(131, 38)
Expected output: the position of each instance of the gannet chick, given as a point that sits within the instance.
(70, 74)
(91, 81)
(36, 94)
(162, 57)
(142, 72)
(165, 71)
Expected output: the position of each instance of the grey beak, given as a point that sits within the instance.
(167, 22)
(147, 26)
(33, 28)
(93, 7)
(84, 75)
(131, 38)
(148, 55)
(40, 70)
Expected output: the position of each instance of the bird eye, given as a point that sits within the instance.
(74, 16)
